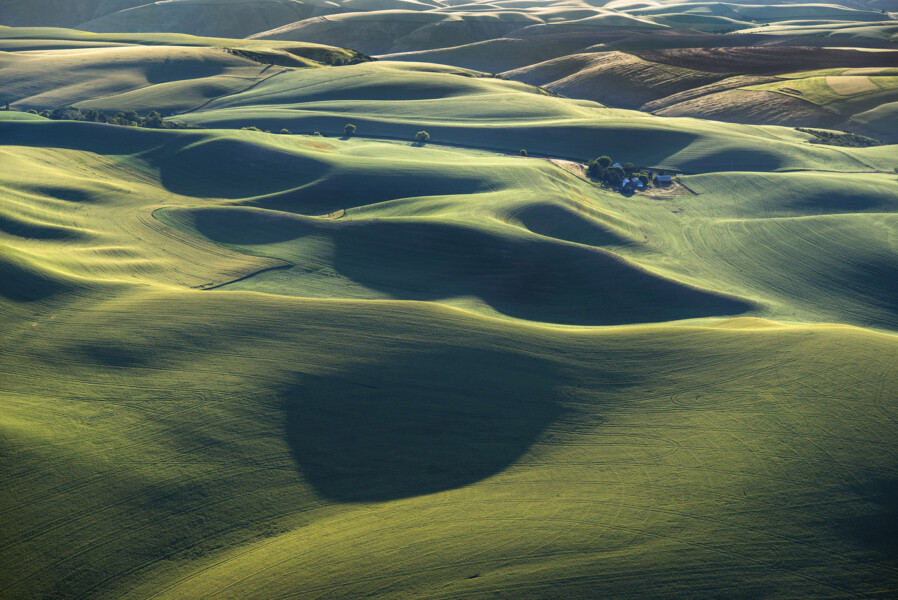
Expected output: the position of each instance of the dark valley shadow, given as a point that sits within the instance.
(418, 422)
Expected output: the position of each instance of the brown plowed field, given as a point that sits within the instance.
(760, 60)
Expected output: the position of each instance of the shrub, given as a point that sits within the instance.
(603, 161)
(285, 131)
(524, 152)
(68, 113)
(349, 129)
(316, 133)
(422, 137)
(154, 120)
(128, 118)
(613, 176)
(250, 128)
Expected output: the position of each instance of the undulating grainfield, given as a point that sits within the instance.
(333, 300)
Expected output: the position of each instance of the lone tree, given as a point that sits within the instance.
(349, 129)
(604, 161)
(524, 152)
(422, 137)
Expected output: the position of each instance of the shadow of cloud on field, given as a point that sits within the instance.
(418, 422)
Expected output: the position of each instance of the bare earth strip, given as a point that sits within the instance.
(760, 108)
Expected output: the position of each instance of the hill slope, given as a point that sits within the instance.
(199, 443)
(240, 364)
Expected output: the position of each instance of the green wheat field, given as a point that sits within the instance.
(260, 339)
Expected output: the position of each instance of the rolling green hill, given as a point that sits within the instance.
(307, 364)
(233, 443)
(578, 49)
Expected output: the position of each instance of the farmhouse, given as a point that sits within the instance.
(663, 180)
(631, 184)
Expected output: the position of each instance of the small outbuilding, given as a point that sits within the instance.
(663, 180)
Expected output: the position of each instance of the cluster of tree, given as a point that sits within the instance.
(128, 118)
(837, 138)
(602, 169)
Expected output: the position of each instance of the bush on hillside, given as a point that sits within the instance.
(597, 166)
(349, 129)
(613, 176)
(250, 128)
(422, 137)
(153, 120)
(838, 138)
(594, 170)
(524, 152)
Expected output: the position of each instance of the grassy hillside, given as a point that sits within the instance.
(236, 444)
(260, 454)
(398, 99)
(220, 18)
(741, 84)
(168, 73)
(249, 365)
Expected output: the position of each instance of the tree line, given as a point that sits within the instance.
(127, 118)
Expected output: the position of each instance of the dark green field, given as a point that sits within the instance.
(249, 354)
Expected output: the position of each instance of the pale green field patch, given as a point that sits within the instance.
(850, 85)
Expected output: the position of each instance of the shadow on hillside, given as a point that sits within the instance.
(418, 422)
(21, 281)
(877, 527)
(535, 279)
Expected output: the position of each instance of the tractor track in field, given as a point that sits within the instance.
(215, 286)
(243, 91)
